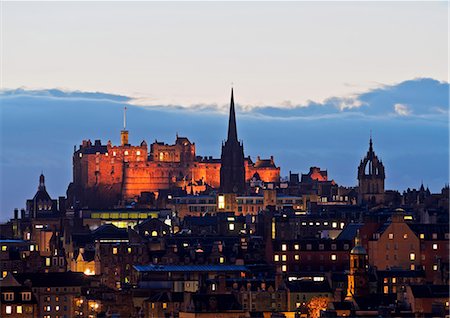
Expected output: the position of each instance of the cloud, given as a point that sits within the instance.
(417, 98)
(61, 93)
(402, 110)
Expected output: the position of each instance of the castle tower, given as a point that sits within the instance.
(358, 277)
(124, 131)
(371, 179)
(232, 170)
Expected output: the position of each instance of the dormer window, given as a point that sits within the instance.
(8, 296)
(26, 296)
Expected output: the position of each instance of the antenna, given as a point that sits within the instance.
(125, 118)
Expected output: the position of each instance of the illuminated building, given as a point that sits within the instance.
(105, 176)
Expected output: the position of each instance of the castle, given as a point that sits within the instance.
(110, 175)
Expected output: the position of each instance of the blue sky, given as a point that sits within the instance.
(311, 80)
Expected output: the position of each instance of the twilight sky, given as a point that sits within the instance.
(189, 53)
(311, 80)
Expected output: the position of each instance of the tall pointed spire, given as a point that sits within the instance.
(41, 182)
(370, 142)
(232, 130)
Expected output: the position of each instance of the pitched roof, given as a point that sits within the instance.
(190, 268)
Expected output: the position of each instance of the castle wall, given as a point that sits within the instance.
(105, 174)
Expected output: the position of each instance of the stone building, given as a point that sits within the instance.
(108, 175)
(371, 178)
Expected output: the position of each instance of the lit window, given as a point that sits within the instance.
(57, 308)
(342, 225)
(283, 268)
(334, 225)
(391, 236)
(422, 236)
(333, 257)
(126, 153)
(154, 233)
(231, 226)
(297, 257)
(4, 248)
(435, 246)
(8, 310)
(283, 247)
(4, 273)
(386, 289)
(405, 236)
(276, 258)
(412, 267)
(412, 256)
(296, 247)
(129, 250)
(81, 155)
(283, 258)
(221, 202)
(114, 250)
(394, 280)
(213, 286)
(435, 267)
(47, 261)
(138, 152)
(325, 223)
(19, 309)
(164, 305)
(221, 260)
(114, 153)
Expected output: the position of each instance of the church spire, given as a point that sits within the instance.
(232, 130)
(41, 182)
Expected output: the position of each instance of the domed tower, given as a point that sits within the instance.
(371, 179)
(358, 278)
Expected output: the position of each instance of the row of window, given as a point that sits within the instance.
(283, 257)
(19, 309)
(284, 247)
(434, 236)
(9, 296)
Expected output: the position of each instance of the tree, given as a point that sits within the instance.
(316, 305)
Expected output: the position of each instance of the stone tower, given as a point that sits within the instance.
(232, 170)
(371, 179)
(358, 277)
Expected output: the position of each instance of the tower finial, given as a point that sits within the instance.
(232, 130)
(370, 142)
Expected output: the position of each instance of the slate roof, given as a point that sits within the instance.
(53, 279)
(309, 286)
(349, 232)
(430, 291)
